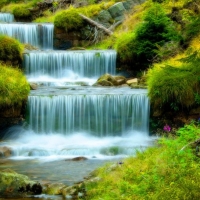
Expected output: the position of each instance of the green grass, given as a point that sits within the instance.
(14, 87)
(175, 86)
(161, 172)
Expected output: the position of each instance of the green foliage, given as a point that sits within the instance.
(164, 172)
(156, 30)
(21, 12)
(68, 19)
(174, 86)
(10, 49)
(125, 46)
(14, 87)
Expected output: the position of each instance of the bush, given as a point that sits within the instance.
(14, 87)
(10, 50)
(68, 19)
(21, 11)
(155, 31)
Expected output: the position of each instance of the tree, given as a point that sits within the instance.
(156, 30)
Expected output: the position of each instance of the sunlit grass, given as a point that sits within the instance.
(161, 172)
(14, 87)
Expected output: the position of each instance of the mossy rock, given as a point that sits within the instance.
(120, 80)
(13, 184)
(106, 80)
(10, 50)
(54, 189)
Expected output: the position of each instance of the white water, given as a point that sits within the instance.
(29, 145)
(66, 64)
(101, 115)
(38, 35)
(6, 17)
(70, 121)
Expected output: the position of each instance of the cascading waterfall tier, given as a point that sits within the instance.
(38, 35)
(6, 17)
(99, 114)
(57, 64)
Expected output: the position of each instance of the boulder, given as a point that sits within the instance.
(117, 11)
(33, 86)
(105, 18)
(106, 80)
(13, 184)
(5, 152)
(120, 80)
(132, 81)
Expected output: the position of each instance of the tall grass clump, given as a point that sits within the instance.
(14, 87)
(174, 86)
(169, 170)
(10, 50)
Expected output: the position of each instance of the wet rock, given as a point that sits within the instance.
(109, 80)
(120, 80)
(106, 80)
(132, 81)
(33, 86)
(80, 158)
(5, 152)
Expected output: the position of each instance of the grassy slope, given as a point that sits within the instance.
(161, 172)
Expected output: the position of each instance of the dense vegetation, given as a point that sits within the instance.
(169, 170)
(10, 50)
(161, 37)
(14, 87)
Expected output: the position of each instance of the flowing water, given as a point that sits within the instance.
(6, 17)
(38, 35)
(67, 116)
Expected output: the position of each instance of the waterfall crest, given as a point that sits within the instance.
(100, 115)
(6, 17)
(39, 35)
(57, 64)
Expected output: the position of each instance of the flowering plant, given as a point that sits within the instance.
(167, 128)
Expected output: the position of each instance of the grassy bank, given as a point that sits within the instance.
(169, 170)
(14, 87)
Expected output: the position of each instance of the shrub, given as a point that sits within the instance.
(14, 87)
(21, 11)
(155, 31)
(68, 19)
(10, 49)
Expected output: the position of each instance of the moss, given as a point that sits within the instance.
(21, 12)
(10, 49)
(14, 87)
(68, 19)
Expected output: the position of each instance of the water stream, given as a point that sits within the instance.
(66, 118)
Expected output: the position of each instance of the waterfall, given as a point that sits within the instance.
(97, 114)
(6, 17)
(57, 64)
(39, 35)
